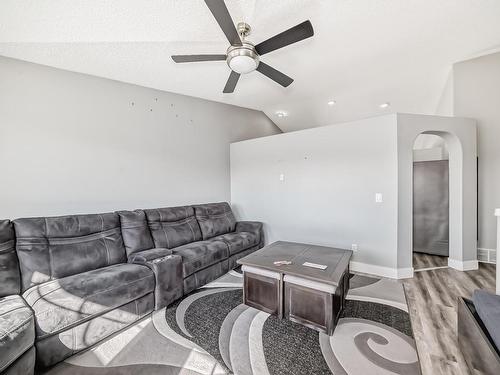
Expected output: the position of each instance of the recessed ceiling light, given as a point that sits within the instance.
(331, 102)
(281, 114)
(385, 105)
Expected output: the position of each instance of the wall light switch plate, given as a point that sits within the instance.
(354, 247)
(282, 177)
(379, 198)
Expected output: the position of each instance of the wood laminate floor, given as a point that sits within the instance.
(422, 261)
(432, 301)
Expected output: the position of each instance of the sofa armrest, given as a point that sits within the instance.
(167, 268)
(147, 255)
(255, 227)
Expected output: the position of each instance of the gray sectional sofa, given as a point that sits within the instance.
(74, 280)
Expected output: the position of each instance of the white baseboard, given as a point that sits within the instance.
(461, 265)
(404, 273)
(392, 273)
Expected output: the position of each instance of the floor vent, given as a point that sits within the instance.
(487, 255)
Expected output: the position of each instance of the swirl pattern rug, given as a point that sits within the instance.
(210, 331)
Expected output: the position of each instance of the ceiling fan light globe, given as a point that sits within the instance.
(242, 59)
(243, 64)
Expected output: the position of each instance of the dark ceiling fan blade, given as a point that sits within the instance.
(231, 82)
(223, 18)
(295, 34)
(197, 58)
(274, 74)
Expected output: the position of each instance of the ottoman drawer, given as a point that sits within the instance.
(262, 290)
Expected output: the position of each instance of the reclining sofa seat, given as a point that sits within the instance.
(217, 222)
(17, 325)
(206, 238)
(76, 280)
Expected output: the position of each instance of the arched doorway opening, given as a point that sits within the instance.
(430, 202)
(456, 196)
(460, 136)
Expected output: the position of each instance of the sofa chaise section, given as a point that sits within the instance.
(17, 325)
(76, 280)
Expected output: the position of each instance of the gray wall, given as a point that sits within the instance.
(477, 95)
(74, 143)
(331, 175)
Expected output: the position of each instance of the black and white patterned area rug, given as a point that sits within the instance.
(210, 331)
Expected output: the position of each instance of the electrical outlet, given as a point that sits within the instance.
(354, 247)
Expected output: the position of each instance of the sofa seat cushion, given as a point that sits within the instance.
(488, 308)
(61, 304)
(17, 329)
(199, 255)
(238, 241)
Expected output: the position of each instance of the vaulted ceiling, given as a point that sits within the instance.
(363, 53)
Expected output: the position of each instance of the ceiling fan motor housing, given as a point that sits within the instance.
(242, 59)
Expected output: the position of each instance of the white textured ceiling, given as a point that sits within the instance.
(364, 52)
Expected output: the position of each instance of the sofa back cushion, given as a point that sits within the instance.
(135, 231)
(54, 247)
(10, 280)
(215, 219)
(173, 226)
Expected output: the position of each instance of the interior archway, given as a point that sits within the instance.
(430, 202)
(455, 157)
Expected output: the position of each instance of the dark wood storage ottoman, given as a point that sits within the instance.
(304, 283)
(262, 290)
(314, 304)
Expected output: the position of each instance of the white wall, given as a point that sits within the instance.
(72, 143)
(477, 95)
(331, 175)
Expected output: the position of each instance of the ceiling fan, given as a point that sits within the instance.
(242, 56)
